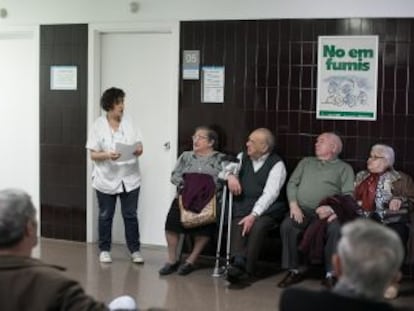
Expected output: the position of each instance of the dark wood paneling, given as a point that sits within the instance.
(271, 70)
(63, 134)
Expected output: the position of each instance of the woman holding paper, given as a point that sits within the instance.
(116, 174)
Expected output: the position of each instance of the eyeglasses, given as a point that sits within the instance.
(198, 137)
(374, 157)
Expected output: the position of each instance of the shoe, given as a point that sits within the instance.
(185, 268)
(391, 292)
(234, 273)
(169, 268)
(105, 257)
(136, 257)
(329, 282)
(290, 279)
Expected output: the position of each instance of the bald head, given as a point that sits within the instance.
(328, 146)
(260, 142)
(268, 137)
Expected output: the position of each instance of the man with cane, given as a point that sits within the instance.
(256, 205)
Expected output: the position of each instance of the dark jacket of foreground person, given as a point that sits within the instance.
(29, 284)
(298, 299)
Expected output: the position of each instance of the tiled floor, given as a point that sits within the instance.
(197, 291)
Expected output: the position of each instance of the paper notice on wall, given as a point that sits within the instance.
(212, 85)
(63, 78)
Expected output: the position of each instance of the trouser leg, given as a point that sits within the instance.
(106, 203)
(403, 232)
(290, 231)
(255, 241)
(129, 205)
(238, 242)
(333, 233)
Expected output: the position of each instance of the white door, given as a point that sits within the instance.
(19, 119)
(141, 65)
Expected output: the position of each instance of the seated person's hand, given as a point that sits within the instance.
(295, 212)
(247, 222)
(332, 218)
(234, 184)
(395, 204)
(324, 211)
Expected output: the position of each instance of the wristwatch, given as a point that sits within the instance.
(254, 214)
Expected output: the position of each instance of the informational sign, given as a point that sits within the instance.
(191, 65)
(63, 77)
(212, 85)
(347, 77)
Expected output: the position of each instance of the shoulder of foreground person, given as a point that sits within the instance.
(44, 286)
(295, 299)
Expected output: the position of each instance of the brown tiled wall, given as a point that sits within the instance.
(63, 134)
(271, 76)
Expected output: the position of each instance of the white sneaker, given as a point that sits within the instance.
(136, 257)
(391, 292)
(105, 257)
(123, 303)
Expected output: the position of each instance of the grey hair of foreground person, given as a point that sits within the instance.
(370, 256)
(16, 210)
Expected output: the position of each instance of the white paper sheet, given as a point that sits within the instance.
(126, 151)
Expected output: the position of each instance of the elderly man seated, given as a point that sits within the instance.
(257, 204)
(314, 179)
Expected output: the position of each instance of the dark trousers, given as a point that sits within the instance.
(129, 205)
(291, 232)
(250, 245)
(403, 232)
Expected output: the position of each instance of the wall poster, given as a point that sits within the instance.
(347, 77)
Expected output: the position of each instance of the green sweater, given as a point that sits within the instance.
(314, 179)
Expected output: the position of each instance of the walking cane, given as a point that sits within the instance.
(216, 272)
(230, 216)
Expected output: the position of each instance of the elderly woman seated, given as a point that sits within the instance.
(196, 178)
(385, 195)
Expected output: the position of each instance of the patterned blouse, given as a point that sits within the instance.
(383, 193)
(189, 162)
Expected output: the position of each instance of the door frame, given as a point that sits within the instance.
(94, 90)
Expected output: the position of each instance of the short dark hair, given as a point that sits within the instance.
(110, 97)
(16, 209)
(212, 134)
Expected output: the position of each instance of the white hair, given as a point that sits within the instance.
(16, 209)
(386, 151)
(371, 255)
